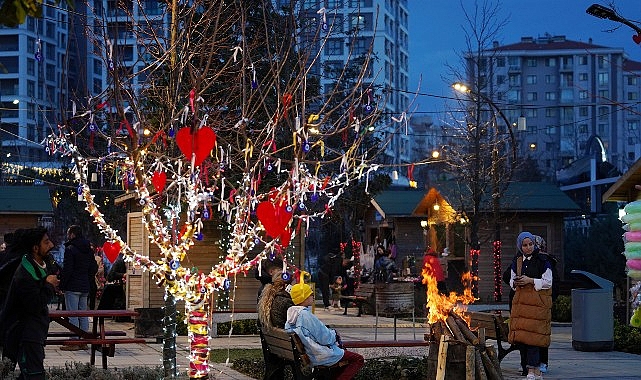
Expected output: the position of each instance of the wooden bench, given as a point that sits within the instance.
(494, 326)
(362, 294)
(281, 349)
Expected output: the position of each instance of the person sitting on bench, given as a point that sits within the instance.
(322, 345)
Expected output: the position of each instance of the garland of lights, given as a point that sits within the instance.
(496, 260)
(474, 257)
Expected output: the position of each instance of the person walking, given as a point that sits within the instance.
(530, 319)
(26, 312)
(79, 267)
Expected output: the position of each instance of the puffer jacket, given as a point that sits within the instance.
(79, 266)
(319, 341)
(531, 315)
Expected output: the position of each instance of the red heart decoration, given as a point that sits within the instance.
(274, 218)
(285, 237)
(111, 250)
(199, 144)
(159, 180)
(637, 39)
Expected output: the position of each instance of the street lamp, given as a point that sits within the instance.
(496, 191)
(598, 10)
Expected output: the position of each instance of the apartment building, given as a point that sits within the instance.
(34, 77)
(580, 100)
(343, 30)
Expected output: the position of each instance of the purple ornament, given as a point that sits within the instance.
(199, 236)
(206, 214)
(314, 197)
(306, 147)
(301, 206)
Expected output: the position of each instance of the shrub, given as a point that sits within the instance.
(627, 338)
(562, 309)
(241, 327)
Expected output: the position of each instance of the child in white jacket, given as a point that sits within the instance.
(322, 344)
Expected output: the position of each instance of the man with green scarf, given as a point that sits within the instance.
(26, 312)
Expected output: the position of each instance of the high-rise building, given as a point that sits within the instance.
(580, 100)
(341, 31)
(34, 64)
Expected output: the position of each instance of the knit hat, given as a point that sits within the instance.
(522, 236)
(300, 292)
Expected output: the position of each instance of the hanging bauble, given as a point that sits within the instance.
(174, 264)
(306, 147)
(314, 197)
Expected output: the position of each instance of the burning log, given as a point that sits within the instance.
(452, 343)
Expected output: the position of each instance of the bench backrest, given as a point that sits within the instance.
(490, 322)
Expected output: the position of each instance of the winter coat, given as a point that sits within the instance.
(280, 304)
(531, 315)
(79, 266)
(319, 341)
(26, 313)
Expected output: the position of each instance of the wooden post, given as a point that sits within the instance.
(442, 359)
(470, 359)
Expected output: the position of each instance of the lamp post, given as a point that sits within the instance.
(496, 185)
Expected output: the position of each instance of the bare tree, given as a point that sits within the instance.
(217, 120)
(484, 152)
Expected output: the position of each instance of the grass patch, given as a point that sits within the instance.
(234, 354)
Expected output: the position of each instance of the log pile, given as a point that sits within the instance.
(458, 353)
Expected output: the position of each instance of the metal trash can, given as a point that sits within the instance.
(592, 314)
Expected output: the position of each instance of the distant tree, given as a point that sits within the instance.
(528, 171)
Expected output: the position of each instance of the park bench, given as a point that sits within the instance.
(281, 349)
(362, 294)
(494, 326)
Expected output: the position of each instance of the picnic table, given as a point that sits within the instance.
(99, 338)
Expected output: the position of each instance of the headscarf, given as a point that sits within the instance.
(522, 236)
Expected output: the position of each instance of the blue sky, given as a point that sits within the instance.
(436, 36)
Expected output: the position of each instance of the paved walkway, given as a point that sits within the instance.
(565, 362)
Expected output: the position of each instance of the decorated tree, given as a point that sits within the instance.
(220, 122)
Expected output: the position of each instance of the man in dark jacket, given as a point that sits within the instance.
(78, 268)
(26, 312)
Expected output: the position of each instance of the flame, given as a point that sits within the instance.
(439, 306)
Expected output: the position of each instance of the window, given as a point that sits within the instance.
(602, 129)
(632, 80)
(602, 63)
(633, 96)
(500, 79)
(515, 79)
(31, 88)
(31, 111)
(363, 21)
(550, 129)
(603, 113)
(513, 96)
(550, 79)
(51, 72)
(583, 77)
(550, 62)
(513, 62)
(583, 111)
(334, 46)
(531, 79)
(583, 94)
(605, 94)
(531, 113)
(567, 95)
(500, 62)
(583, 128)
(31, 66)
(568, 61)
(550, 112)
(335, 4)
(531, 96)
(633, 125)
(603, 79)
(567, 130)
(567, 80)
(583, 60)
(97, 86)
(550, 95)
(361, 45)
(531, 62)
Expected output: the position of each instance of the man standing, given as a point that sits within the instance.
(26, 312)
(79, 267)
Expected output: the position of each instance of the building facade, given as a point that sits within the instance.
(580, 100)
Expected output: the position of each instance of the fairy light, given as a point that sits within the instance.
(496, 261)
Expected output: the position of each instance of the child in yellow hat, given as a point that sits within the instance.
(321, 343)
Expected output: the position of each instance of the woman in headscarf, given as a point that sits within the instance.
(530, 319)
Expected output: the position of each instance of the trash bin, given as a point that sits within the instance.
(148, 323)
(592, 314)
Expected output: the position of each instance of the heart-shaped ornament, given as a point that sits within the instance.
(266, 213)
(199, 144)
(637, 39)
(159, 180)
(111, 250)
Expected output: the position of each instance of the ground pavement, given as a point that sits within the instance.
(565, 362)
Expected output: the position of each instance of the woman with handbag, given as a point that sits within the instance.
(530, 319)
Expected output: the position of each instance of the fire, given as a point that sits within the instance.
(439, 306)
